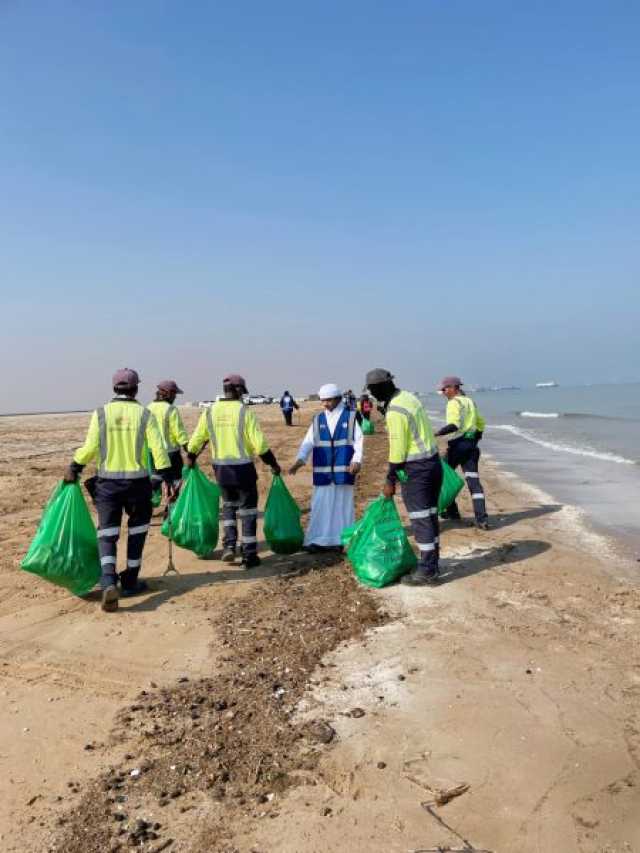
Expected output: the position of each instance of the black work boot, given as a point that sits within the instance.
(251, 561)
(419, 578)
(228, 554)
(483, 524)
(110, 599)
(451, 514)
(134, 589)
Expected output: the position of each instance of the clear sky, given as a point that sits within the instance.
(301, 191)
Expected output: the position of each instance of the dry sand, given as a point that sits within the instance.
(518, 677)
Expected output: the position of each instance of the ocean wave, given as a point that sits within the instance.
(591, 416)
(574, 415)
(564, 448)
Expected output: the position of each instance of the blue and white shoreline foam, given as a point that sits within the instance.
(580, 447)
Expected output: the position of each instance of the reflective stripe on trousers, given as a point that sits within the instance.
(420, 496)
(112, 498)
(467, 456)
(243, 504)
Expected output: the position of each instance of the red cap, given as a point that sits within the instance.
(450, 380)
(126, 376)
(169, 386)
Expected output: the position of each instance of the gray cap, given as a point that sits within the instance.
(377, 376)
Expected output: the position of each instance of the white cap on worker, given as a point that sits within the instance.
(329, 391)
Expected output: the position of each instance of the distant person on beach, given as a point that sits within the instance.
(414, 460)
(366, 406)
(288, 404)
(335, 440)
(349, 400)
(465, 425)
(118, 435)
(172, 430)
(236, 437)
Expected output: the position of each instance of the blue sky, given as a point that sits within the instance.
(302, 191)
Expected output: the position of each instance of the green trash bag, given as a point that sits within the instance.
(377, 546)
(282, 528)
(368, 427)
(452, 482)
(193, 519)
(65, 547)
(156, 494)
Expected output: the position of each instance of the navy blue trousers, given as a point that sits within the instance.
(112, 498)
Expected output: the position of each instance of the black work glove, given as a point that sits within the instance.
(191, 460)
(276, 470)
(70, 475)
(479, 435)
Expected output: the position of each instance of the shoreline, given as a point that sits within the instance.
(607, 542)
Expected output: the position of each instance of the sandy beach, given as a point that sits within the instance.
(289, 709)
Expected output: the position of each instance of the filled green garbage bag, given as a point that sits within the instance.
(452, 482)
(156, 494)
(65, 547)
(192, 522)
(377, 546)
(282, 528)
(368, 427)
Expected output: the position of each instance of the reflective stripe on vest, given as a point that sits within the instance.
(332, 457)
(424, 451)
(139, 449)
(467, 406)
(341, 442)
(166, 431)
(229, 460)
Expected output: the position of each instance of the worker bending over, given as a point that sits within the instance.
(465, 425)
(236, 437)
(172, 430)
(414, 459)
(119, 436)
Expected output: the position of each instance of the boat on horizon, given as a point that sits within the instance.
(547, 385)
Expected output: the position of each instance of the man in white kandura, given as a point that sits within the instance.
(336, 440)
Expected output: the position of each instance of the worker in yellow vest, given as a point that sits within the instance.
(174, 435)
(119, 437)
(465, 426)
(414, 460)
(235, 437)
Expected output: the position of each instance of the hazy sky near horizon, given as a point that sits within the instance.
(299, 192)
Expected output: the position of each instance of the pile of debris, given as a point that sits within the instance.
(230, 738)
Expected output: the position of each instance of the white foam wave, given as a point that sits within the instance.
(563, 448)
(539, 414)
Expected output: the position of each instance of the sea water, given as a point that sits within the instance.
(581, 445)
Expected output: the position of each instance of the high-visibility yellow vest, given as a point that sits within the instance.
(118, 437)
(234, 433)
(410, 432)
(171, 426)
(463, 412)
